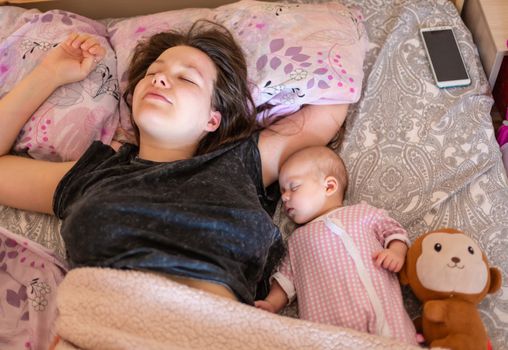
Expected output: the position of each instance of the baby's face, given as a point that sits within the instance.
(303, 190)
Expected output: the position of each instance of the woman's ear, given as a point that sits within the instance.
(214, 121)
(331, 184)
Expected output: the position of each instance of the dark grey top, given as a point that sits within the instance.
(208, 217)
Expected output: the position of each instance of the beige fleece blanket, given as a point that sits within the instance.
(117, 309)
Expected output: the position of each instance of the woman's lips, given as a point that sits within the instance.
(155, 96)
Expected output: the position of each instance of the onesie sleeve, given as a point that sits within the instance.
(388, 229)
(284, 276)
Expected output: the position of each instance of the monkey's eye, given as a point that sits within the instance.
(470, 250)
(437, 247)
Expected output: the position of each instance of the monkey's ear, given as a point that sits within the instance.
(495, 280)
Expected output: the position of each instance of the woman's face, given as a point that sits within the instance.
(172, 104)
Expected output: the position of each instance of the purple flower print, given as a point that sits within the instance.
(48, 17)
(276, 45)
(10, 243)
(15, 298)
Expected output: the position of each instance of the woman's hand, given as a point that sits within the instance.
(73, 59)
(70, 61)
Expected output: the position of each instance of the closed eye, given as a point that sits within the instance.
(188, 80)
(294, 188)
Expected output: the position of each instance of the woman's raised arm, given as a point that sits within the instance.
(312, 125)
(26, 183)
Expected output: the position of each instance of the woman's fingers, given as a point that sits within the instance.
(79, 40)
(97, 51)
(88, 43)
(89, 46)
(70, 38)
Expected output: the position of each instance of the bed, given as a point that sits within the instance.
(427, 155)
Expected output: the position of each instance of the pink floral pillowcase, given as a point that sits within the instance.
(296, 53)
(299, 53)
(65, 125)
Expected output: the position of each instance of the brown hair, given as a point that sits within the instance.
(231, 95)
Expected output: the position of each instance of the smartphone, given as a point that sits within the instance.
(446, 61)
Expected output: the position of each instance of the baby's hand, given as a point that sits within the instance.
(74, 58)
(264, 305)
(389, 259)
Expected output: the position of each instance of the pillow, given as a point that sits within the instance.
(76, 114)
(296, 53)
(299, 53)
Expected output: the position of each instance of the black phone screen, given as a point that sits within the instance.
(445, 55)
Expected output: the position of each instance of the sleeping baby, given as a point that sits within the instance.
(342, 263)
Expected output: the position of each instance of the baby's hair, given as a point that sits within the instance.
(326, 161)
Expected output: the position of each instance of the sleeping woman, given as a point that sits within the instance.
(193, 200)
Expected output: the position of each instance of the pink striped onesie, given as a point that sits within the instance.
(320, 268)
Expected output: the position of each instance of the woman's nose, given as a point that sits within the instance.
(160, 80)
(285, 196)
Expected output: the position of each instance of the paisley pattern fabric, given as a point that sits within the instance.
(427, 155)
(41, 228)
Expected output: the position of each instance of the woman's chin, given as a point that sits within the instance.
(152, 118)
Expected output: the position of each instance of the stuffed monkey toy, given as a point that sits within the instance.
(450, 275)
